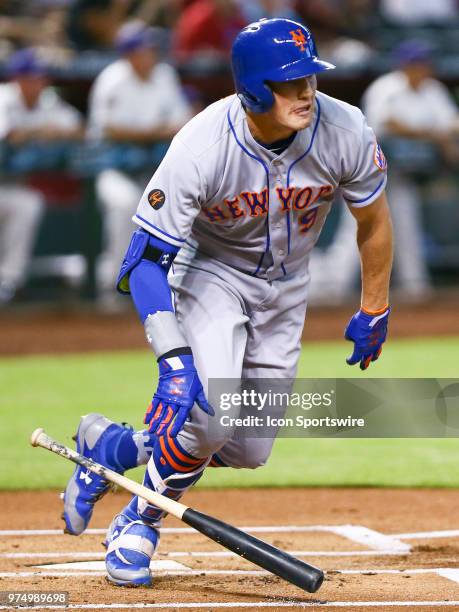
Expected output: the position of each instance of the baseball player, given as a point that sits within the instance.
(136, 102)
(237, 204)
(407, 103)
(31, 113)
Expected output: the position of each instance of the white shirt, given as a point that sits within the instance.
(224, 195)
(391, 97)
(50, 110)
(120, 98)
(419, 11)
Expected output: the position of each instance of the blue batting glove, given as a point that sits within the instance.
(179, 388)
(368, 332)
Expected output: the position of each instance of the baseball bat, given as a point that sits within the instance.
(261, 553)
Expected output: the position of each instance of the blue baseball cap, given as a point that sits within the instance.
(413, 51)
(135, 35)
(26, 62)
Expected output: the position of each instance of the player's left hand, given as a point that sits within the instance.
(179, 388)
(368, 332)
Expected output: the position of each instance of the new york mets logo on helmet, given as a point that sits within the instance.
(299, 39)
(156, 198)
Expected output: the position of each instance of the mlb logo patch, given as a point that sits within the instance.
(379, 158)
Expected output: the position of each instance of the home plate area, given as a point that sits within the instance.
(379, 548)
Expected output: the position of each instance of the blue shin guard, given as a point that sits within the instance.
(130, 544)
(133, 536)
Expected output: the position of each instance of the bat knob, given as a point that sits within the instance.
(35, 435)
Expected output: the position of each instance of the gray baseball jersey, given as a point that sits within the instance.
(247, 219)
(222, 193)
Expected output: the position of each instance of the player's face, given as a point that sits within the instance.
(294, 102)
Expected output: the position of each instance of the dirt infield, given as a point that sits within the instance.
(32, 332)
(393, 549)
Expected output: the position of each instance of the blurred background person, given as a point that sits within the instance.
(206, 30)
(343, 29)
(160, 13)
(253, 10)
(37, 23)
(201, 43)
(419, 12)
(414, 114)
(93, 24)
(31, 113)
(137, 105)
(411, 104)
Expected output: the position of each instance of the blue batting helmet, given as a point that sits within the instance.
(272, 50)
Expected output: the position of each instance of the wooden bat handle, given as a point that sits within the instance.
(40, 438)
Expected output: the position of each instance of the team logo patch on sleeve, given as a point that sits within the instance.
(156, 198)
(379, 158)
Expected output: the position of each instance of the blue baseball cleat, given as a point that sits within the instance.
(130, 545)
(95, 436)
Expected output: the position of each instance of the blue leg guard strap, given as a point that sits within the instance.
(171, 471)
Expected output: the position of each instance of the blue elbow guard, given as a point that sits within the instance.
(144, 246)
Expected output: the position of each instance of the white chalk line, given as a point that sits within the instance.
(173, 530)
(183, 530)
(177, 530)
(451, 574)
(203, 572)
(447, 533)
(401, 572)
(369, 537)
(53, 574)
(420, 535)
(356, 533)
(210, 554)
(53, 555)
(156, 565)
(206, 605)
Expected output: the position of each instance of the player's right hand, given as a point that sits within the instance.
(179, 388)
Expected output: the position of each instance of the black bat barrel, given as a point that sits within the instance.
(269, 557)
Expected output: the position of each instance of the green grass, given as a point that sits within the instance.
(53, 391)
